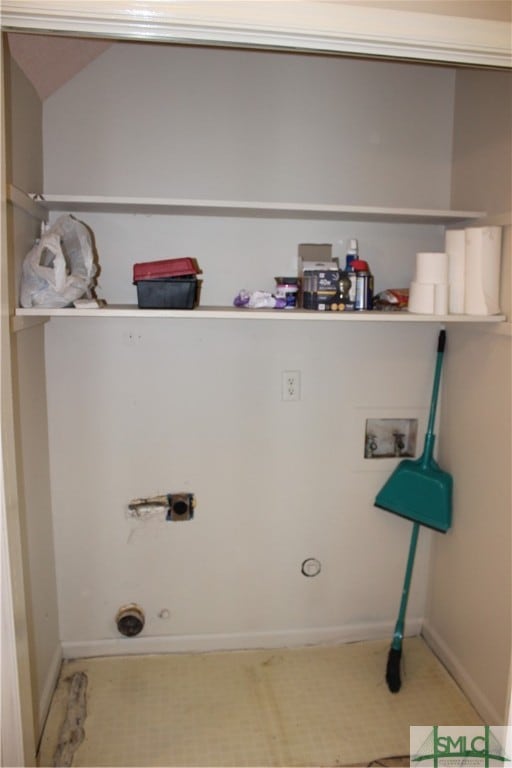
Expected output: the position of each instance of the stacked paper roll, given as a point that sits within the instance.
(455, 247)
(421, 298)
(431, 268)
(465, 279)
(441, 299)
(482, 264)
(428, 293)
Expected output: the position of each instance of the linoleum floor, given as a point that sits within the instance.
(314, 706)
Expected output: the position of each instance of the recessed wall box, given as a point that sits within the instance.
(181, 506)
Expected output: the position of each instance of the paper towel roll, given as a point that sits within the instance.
(455, 247)
(483, 258)
(441, 299)
(431, 268)
(421, 298)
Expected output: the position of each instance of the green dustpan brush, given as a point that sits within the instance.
(419, 491)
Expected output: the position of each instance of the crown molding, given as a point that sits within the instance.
(327, 27)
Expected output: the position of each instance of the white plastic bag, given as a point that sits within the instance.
(60, 267)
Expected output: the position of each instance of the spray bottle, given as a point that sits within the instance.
(352, 254)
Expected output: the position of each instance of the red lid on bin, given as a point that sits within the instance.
(153, 270)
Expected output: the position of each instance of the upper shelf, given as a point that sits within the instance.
(245, 313)
(158, 205)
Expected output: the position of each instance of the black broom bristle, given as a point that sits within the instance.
(393, 670)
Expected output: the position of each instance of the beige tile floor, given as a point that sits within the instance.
(315, 706)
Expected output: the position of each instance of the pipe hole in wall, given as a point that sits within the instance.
(130, 620)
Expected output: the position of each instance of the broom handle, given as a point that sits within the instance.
(429, 437)
(399, 627)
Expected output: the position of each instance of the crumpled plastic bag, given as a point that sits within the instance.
(60, 267)
(392, 299)
(258, 300)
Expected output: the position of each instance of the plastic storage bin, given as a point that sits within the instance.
(166, 284)
(167, 293)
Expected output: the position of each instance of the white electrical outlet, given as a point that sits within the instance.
(290, 386)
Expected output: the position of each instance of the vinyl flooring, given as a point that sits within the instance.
(313, 706)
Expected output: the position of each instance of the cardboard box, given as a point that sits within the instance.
(319, 279)
(315, 252)
(320, 276)
(322, 302)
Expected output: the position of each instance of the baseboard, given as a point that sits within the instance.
(50, 682)
(235, 641)
(478, 699)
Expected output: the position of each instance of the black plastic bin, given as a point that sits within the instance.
(167, 293)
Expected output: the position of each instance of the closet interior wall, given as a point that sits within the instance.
(25, 169)
(468, 619)
(111, 409)
(196, 406)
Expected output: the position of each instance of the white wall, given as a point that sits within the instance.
(476, 9)
(236, 253)
(481, 149)
(17, 740)
(187, 122)
(147, 406)
(195, 406)
(25, 171)
(469, 613)
(468, 618)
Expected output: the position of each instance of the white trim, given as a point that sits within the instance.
(16, 711)
(11, 726)
(52, 676)
(24, 323)
(21, 200)
(301, 26)
(462, 676)
(292, 638)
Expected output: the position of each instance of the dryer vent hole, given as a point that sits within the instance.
(130, 620)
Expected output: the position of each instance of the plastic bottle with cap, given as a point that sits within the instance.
(352, 254)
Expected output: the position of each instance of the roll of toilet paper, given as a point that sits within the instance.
(431, 268)
(441, 291)
(421, 298)
(455, 247)
(483, 259)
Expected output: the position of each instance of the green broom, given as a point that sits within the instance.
(420, 491)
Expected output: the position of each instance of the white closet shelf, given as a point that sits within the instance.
(235, 313)
(157, 205)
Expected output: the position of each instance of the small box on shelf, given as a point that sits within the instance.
(319, 275)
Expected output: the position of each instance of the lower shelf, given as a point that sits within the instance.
(25, 317)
